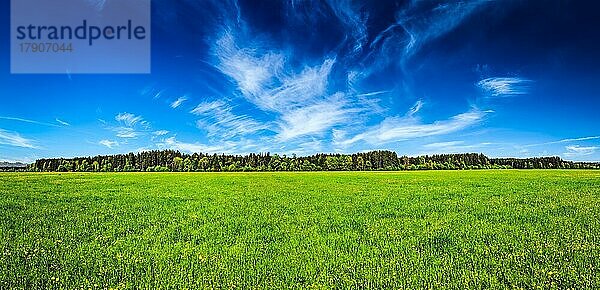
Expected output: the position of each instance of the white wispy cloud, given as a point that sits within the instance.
(505, 86)
(62, 122)
(314, 118)
(418, 24)
(297, 90)
(353, 21)
(128, 119)
(578, 139)
(425, 24)
(454, 147)
(178, 102)
(566, 140)
(304, 106)
(152, 91)
(126, 132)
(220, 120)
(251, 71)
(204, 108)
(415, 108)
(174, 144)
(108, 143)
(299, 100)
(393, 129)
(131, 126)
(160, 132)
(443, 144)
(28, 121)
(401, 129)
(15, 139)
(24, 160)
(376, 93)
(296, 96)
(578, 151)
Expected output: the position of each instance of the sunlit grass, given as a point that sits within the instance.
(456, 229)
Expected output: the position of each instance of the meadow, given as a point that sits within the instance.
(426, 229)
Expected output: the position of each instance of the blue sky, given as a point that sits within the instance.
(505, 78)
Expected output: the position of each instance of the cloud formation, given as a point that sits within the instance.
(454, 147)
(501, 87)
(108, 143)
(417, 24)
(567, 140)
(128, 119)
(393, 129)
(178, 102)
(126, 132)
(220, 121)
(14, 139)
(298, 99)
(285, 98)
(314, 118)
(442, 145)
(174, 144)
(28, 121)
(132, 125)
(62, 122)
(579, 151)
(160, 132)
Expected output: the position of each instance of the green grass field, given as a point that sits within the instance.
(433, 229)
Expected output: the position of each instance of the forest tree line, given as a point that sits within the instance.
(175, 161)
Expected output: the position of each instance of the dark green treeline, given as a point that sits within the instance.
(170, 160)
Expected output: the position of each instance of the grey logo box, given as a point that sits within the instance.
(80, 36)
